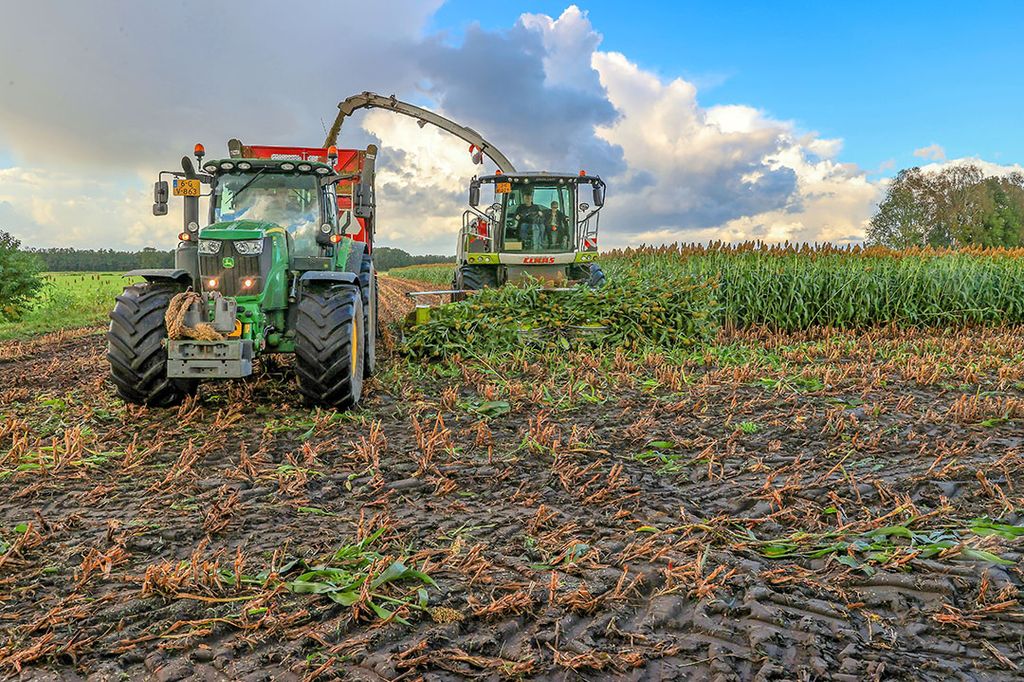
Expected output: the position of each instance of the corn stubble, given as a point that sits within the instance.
(750, 502)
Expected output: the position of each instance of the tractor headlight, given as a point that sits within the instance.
(249, 247)
(209, 246)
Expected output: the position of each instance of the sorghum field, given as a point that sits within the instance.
(69, 300)
(777, 489)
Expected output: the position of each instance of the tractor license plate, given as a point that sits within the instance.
(184, 187)
(502, 187)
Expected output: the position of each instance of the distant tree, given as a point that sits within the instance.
(958, 206)
(904, 218)
(102, 260)
(19, 278)
(386, 258)
(151, 258)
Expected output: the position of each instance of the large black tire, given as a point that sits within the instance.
(473, 278)
(330, 370)
(368, 289)
(596, 278)
(136, 349)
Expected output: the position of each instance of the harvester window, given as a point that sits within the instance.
(539, 219)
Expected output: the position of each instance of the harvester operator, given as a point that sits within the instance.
(530, 218)
(557, 231)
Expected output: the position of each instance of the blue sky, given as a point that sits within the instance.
(887, 78)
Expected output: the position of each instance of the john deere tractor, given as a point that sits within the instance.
(284, 265)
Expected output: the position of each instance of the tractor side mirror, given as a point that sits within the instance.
(323, 235)
(474, 194)
(598, 195)
(161, 193)
(362, 203)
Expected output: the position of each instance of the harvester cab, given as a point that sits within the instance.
(283, 265)
(537, 224)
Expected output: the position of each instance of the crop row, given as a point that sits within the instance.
(792, 288)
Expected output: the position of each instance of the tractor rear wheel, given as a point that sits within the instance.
(368, 289)
(329, 341)
(136, 350)
(473, 278)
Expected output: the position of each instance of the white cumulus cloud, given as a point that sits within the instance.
(932, 152)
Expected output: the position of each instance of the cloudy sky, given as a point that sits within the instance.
(765, 121)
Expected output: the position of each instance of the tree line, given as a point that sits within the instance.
(66, 259)
(958, 206)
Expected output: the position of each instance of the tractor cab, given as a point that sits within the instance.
(300, 203)
(537, 224)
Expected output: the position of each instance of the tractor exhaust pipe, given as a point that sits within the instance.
(364, 199)
(186, 257)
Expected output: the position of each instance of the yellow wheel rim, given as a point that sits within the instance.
(355, 346)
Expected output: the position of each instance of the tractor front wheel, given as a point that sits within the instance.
(329, 339)
(136, 350)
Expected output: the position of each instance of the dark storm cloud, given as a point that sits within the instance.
(495, 81)
(717, 196)
(134, 83)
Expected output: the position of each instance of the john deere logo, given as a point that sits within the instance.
(228, 262)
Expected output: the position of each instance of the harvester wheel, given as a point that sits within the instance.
(368, 289)
(136, 350)
(472, 278)
(329, 340)
(596, 278)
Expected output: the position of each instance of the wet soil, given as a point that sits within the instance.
(633, 518)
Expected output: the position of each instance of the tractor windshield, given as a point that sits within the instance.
(288, 200)
(539, 218)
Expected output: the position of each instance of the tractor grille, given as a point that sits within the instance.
(229, 280)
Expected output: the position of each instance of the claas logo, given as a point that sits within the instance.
(536, 260)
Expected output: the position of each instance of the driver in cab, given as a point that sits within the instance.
(530, 220)
(285, 209)
(557, 224)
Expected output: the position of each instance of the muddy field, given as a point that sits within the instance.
(814, 506)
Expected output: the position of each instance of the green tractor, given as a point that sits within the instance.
(284, 265)
(533, 227)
